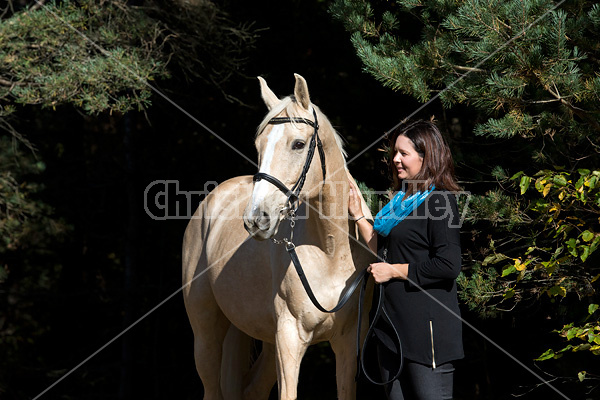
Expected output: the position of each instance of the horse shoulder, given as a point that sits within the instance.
(224, 204)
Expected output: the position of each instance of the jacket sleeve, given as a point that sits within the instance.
(443, 234)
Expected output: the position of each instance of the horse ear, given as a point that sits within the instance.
(267, 94)
(301, 92)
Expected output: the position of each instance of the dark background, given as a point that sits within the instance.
(117, 267)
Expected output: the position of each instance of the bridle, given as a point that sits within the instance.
(315, 141)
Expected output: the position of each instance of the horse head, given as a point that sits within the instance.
(286, 141)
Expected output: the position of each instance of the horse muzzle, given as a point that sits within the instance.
(261, 224)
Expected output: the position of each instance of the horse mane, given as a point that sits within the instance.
(288, 104)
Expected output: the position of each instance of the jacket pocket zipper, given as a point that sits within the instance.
(432, 347)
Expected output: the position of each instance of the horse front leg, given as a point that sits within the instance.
(344, 347)
(209, 326)
(291, 342)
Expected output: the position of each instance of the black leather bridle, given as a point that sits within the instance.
(315, 142)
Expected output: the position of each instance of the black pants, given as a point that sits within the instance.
(417, 381)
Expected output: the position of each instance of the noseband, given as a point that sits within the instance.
(293, 193)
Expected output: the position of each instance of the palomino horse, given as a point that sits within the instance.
(238, 288)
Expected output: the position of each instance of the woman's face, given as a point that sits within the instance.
(406, 159)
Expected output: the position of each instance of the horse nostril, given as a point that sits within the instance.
(263, 221)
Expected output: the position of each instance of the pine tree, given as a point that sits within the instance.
(528, 66)
(97, 57)
(527, 72)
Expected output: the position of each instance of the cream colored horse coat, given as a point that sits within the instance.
(240, 286)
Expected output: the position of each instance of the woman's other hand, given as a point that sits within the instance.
(383, 272)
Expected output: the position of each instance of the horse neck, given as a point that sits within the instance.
(328, 213)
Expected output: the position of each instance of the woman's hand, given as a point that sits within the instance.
(383, 272)
(354, 203)
(355, 210)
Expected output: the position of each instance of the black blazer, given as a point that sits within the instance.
(424, 308)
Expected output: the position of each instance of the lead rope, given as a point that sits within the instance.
(380, 311)
(290, 247)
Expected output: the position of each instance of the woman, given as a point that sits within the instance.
(416, 237)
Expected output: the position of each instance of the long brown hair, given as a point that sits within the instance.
(428, 142)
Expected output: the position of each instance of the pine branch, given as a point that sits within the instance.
(468, 69)
(583, 114)
(38, 4)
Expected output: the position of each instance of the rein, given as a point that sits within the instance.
(293, 201)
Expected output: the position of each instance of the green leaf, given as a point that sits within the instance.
(580, 183)
(582, 347)
(509, 293)
(572, 246)
(587, 236)
(595, 244)
(585, 252)
(529, 250)
(508, 270)
(516, 176)
(583, 171)
(581, 376)
(539, 184)
(592, 308)
(548, 354)
(571, 333)
(550, 266)
(524, 185)
(494, 258)
(563, 228)
(559, 180)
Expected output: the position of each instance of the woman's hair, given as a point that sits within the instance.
(437, 168)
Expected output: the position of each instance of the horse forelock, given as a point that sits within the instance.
(288, 104)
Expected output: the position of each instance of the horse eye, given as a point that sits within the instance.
(298, 145)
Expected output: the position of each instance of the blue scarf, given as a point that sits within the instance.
(397, 209)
